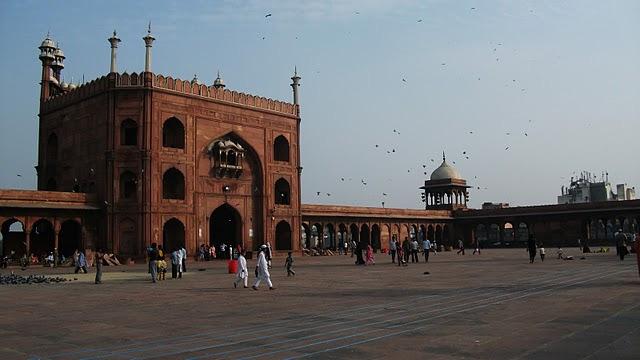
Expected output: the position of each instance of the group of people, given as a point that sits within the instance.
(409, 249)
(158, 262)
(262, 268)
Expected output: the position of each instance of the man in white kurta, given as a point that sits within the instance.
(242, 275)
(263, 270)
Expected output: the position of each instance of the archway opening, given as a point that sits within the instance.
(330, 237)
(173, 134)
(305, 236)
(354, 234)
(375, 237)
(13, 239)
(508, 234)
(42, 238)
(173, 184)
(70, 238)
(282, 192)
(364, 236)
(316, 235)
(283, 236)
(128, 133)
(281, 149)
(172, 235)
(128, 238)
(430, 233)
(225, 227)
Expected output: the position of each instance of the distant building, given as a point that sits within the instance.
(492, 206)
(585, 189)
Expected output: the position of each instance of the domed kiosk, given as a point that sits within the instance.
(445, 188)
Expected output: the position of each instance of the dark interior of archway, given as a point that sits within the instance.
(42, 238)
(283, 236)
(70, 238)
(172, 235)
(224, 228)
(375, 238)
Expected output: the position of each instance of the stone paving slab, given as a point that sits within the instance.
(492, 306)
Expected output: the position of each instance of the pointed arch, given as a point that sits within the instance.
(281, 149)
(128, 132)
(173, 184)
(172, 235)
(283, 236)
(128, 185)
(282, 192)
(173, 133)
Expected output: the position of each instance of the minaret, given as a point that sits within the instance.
(148, 43)
(58, 63)
(113, 40)
(295, 85)
(218, 83)
(47, 50)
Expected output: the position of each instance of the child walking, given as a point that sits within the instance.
(288, 264)
(542, 252)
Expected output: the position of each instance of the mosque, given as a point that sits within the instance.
(129, 159)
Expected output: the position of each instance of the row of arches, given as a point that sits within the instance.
(173, 187)
(334, 236)
(41, 239)
(173, 136)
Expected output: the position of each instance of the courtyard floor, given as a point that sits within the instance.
(490, 306)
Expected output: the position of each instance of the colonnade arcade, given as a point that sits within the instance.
(333, 235)
(40, 236)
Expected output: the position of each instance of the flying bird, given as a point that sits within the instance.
(376, 145)
(420, 20)
(404, 80)
(342, 179)
(317, 193)
(268, 15)
(507, 148)
(19, 175)
(328, 194)
(384, 194)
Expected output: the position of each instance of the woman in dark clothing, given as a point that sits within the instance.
(531, 244)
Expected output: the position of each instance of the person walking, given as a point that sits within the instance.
(542, 253)
(401, 261)
(414, 251)
(176, 264)
(183, 261)
(460, 247)
(153, 261)
(406, 250)
(426, 247)
(99, 254)
(392, 249)
(369, 256)
(161, 264)
(531, 245)
(288, 264)
(81, 263)
(269, 253)
(242, 274)
(263, 270)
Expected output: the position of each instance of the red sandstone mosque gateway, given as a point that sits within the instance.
(130, 159)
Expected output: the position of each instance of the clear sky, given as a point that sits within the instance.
(566, 73)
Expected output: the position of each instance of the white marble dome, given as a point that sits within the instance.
(445, 171)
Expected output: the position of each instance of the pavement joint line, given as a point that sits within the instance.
(416, 321)
(573, 333)
(608, 345)
(458, 293)
(561, 274)
(416, 328)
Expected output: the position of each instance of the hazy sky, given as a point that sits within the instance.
(566, 73)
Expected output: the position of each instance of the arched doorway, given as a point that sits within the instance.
(70, 238)
(508, 234)
(42, 238)
(375, 237)
(438, 236)
(430, 233)
(225, 227)
(128, 237)
(364, 236)
(354, 234)
(172, 235)
(330, 237)
(283, 236)
(13, 239)
(446, 237)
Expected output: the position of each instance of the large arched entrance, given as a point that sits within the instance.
(375, 237)
(225, 227)
(70, 238)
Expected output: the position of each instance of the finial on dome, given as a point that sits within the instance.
(149, 28)
(444, 158)
(218, 83)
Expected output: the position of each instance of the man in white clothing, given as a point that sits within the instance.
(263, 270)
(242, 274)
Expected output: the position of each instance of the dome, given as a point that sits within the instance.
(48, 43)
(218, 82)
(445, 171)
(58, 53)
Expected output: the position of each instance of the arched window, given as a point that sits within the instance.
(173, 184)
(281, 149)
(52, 149)
(128, 133)
(173, 134)
(283, 192)
(128, 185)
(173, 235)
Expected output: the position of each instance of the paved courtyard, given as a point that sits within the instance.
(492, 306)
